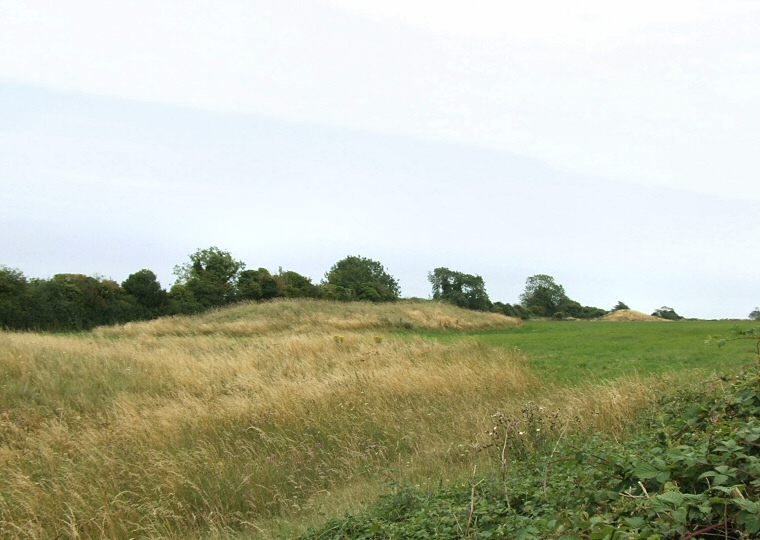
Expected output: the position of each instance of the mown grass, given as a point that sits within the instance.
(569, 352)
(262, 418)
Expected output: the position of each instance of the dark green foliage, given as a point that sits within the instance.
(150, 299)
(294, 285)
(464, 290)
(573, 309)
(258, 285)
(359, 278)
(337, 293)
(211, 276)
(543, 296)
(182, 301)
(691, 471)
(14, 298)
(511, 310)
(666, 312)
(755, 315)
(620, 305)
(75, 302)
(249, 285)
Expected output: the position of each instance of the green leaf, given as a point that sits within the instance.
(664, 476)
(645, 471)
(672, 497)
(718, 479)
(747, 505)
(751, 522)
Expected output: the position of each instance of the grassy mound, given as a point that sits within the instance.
(313, 316)
(183, 426)
(630, 315)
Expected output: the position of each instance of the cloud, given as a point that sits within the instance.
(648, 93)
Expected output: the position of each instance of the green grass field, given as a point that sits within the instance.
(568, 352)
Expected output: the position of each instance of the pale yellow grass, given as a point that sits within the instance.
(296, 316)
(163, 429)
(630, 315)
(189, 427)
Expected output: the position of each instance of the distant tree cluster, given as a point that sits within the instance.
(211, 278)
(464, 290)
(668, 313)
(542, 297)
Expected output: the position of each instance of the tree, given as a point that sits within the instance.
(755, 315)
(620, 305)
(510, 310)
(294, 285)
(211, 276)
(668, 313)
(144, 287)
(14, 291)
(359, 278)
(543, 296)
(464, 290)
(258, 285)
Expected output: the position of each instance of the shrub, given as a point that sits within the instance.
(668, 313)
(365, 278)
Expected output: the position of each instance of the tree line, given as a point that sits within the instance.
(213, 278)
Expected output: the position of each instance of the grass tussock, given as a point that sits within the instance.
(308, 316)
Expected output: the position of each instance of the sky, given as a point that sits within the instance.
(614, 146)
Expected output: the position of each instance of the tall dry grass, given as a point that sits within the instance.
(308, 316)
(193, 426)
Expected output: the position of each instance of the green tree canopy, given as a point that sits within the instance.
(211, 276)
(666, 312)
(14, 290)
(755, 314)
(294, 285)
(359, 278)
(143, 285)
(464, 290)
(258, 285)
(543, 296)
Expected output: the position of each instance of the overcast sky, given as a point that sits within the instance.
(612, 145)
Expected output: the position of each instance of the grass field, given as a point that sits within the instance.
(263, 418)
(569, 352)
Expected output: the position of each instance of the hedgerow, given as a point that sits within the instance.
(690, 471)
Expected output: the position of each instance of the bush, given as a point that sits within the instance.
(364, 278)
(464, 290)
(668, 313)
